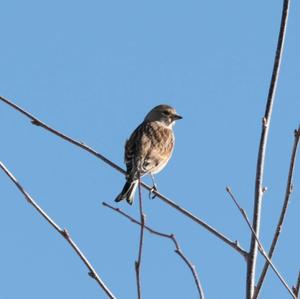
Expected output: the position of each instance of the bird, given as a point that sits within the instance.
(149, 148)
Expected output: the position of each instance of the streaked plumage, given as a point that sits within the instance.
(149, 148)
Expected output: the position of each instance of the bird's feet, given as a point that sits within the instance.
(152, 195)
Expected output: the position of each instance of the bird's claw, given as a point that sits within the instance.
(152, 195)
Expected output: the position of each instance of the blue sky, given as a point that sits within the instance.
(93, 69)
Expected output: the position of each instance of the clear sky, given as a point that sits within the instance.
(93, 69)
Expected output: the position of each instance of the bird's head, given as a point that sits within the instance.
(164, 114)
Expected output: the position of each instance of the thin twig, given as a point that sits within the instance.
(62, 232)
(296, 288)
(170, 237)
(233, 244)
(288, 191)
(251, 265)
(139, 260)
(192, 268)
(82, 145)
(260, 246)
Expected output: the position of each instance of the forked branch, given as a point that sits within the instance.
(296, 288)
(170, 237)
(288, 191)
(260, 246)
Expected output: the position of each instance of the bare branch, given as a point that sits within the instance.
(192, 268)
(251, 265)
(288, 191)
(167, 236)
(232, 244)
(35, 121)
(296, 288)
(63, 232)
(138, 262)
(260, 246)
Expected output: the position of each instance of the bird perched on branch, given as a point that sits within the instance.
(149, 148)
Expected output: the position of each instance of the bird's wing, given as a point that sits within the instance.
(133, 151)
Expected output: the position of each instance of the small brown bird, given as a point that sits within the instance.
(149, 148)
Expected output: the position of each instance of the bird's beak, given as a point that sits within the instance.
(177, 117)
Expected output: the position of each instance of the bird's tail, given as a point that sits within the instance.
(128, 191)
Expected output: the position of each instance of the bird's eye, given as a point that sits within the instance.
(167, 113)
